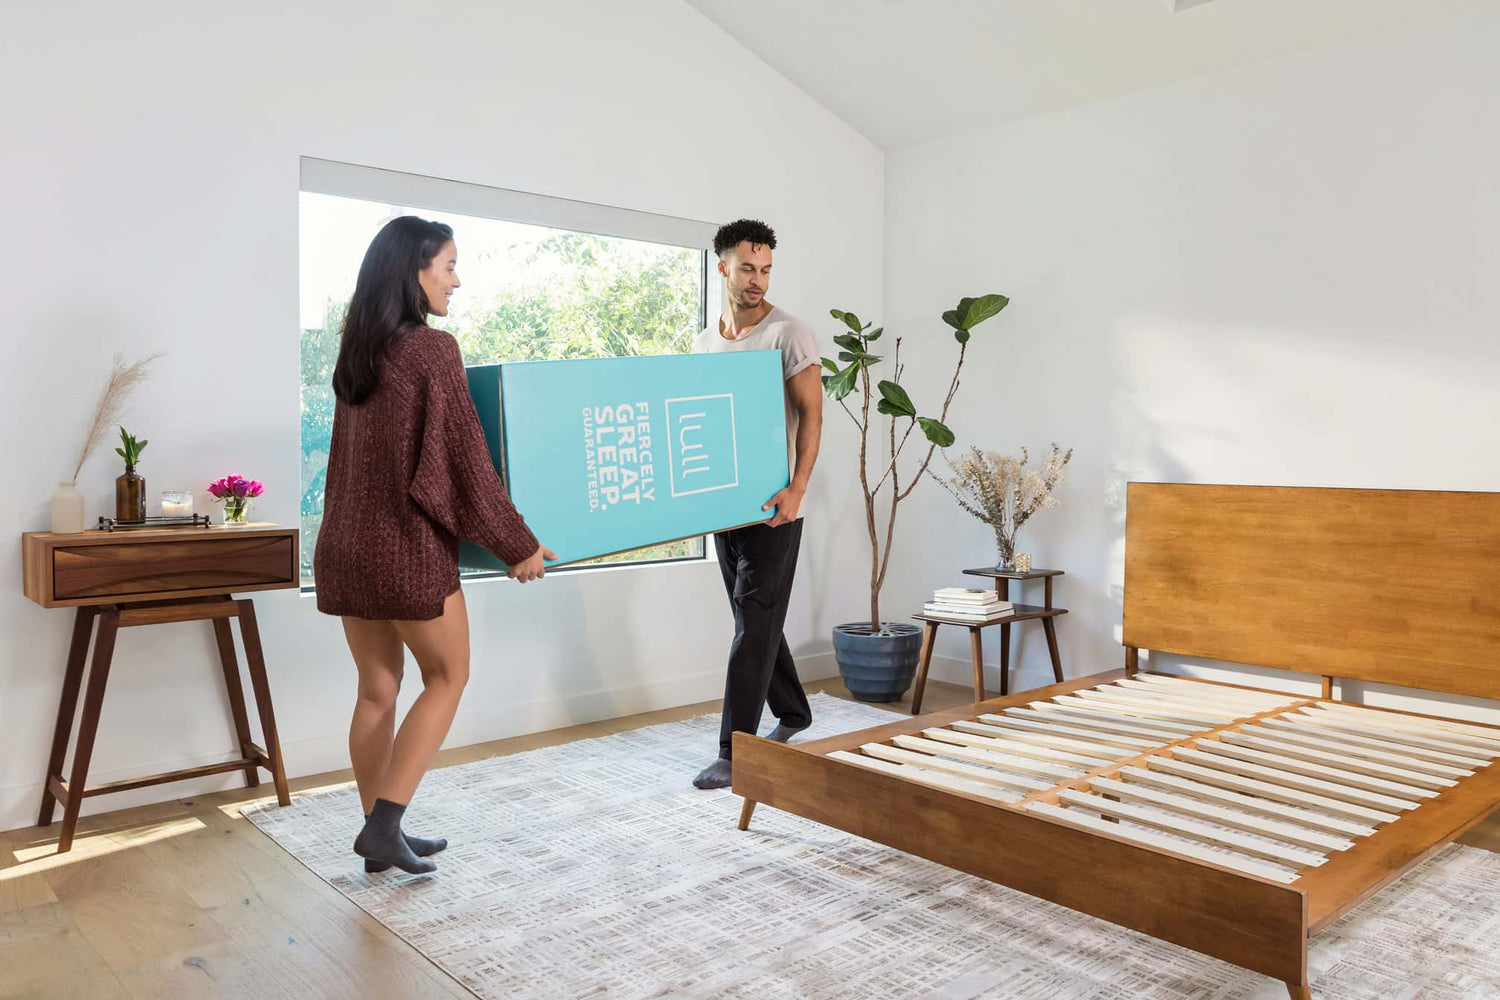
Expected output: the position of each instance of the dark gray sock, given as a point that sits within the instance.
(715, 775)
(382, 841)
(420, 846)
(783, 733)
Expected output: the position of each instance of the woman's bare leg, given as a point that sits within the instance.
(441, 649)
(380, 658)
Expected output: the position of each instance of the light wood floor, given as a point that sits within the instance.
(186, 899)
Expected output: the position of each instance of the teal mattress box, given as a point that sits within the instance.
(603, 455)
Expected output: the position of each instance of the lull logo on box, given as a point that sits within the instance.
(702, 445)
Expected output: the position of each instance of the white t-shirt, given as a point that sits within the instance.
(780, 331)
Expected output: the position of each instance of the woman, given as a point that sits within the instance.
(408, 475)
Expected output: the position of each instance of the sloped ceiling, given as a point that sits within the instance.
(906, 71)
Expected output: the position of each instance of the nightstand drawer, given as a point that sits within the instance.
(97, 568)
(102, 572)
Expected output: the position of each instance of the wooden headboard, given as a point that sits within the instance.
(1394, 586)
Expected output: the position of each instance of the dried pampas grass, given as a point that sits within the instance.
(122, 381)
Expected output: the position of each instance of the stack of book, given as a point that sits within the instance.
(968, 604)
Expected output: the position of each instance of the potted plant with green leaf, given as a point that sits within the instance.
(876, 658)
(130, 488)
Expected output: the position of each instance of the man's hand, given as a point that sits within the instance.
(787, 502)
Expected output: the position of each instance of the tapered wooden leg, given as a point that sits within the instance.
(976, 653)
(745, 811)
(88, 725)
(927, 639)
(1132, 660)
(67, 707)
(255, 662)
(1048, 624)
(225, 638)
(1004, 659)
(1299, 992)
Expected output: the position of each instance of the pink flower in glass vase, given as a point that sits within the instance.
(235, 492)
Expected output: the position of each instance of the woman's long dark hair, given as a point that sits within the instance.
(387, 300)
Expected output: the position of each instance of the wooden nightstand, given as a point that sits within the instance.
(122, 579)
(1045, 613)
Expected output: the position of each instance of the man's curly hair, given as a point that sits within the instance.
(732, 234)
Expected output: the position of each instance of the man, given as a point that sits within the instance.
(758, 561)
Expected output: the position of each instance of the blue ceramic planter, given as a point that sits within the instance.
(877, 667)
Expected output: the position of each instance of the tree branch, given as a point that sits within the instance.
(896, 451)
(942, 418)
(850, 412)
(864, 482)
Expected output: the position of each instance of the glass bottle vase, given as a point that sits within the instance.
(130, 496)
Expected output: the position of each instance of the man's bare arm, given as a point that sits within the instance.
(805, 389)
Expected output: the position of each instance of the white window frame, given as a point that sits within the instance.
(394, 187)
(348, 180)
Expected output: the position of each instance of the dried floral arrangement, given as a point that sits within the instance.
(1003, 493)
(123, 379)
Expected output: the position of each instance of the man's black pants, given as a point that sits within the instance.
(758, 563)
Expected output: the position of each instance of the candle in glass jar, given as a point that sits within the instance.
(176, 503)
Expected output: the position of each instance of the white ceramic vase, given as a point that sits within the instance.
(67, 509)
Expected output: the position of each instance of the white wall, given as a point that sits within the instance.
(1283, 274)
(151, 174)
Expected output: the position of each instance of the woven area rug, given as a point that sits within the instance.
(595, 870)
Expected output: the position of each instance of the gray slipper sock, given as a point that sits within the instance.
(420, 846)
(715, 775)
(784, 733)
(381, 840)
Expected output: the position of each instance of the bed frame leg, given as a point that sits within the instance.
(1299, 992)
(1132, 660)
(745, 811)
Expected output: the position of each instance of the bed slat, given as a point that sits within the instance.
(1271, 790)
(921, 777)
(1237, 862)
(1295, 858)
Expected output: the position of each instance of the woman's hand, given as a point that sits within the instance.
(533, 567)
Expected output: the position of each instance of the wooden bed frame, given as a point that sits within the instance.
(1230, 820)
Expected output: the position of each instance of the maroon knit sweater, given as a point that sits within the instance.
(408, 476)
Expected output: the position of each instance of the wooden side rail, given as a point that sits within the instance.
(1252, 922)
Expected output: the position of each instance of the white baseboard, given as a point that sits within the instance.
(475, 723)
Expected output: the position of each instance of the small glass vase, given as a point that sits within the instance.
(1005, 535)
(236, 512)
(1005, 551)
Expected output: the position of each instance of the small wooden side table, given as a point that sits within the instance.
(122, 579)
(1045, 613)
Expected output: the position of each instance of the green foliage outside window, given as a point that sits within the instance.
(581, 296)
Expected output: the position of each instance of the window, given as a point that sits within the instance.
(543, 278)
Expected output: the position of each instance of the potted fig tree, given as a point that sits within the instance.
(877, 659)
